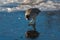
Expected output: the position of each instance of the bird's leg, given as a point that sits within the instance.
(33, 24)
(34, 28)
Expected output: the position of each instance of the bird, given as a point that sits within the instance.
(31, 15)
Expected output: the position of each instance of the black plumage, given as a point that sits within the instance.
(32, 13)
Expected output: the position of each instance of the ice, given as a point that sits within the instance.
(48, 5)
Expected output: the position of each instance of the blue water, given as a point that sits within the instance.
(13, 26)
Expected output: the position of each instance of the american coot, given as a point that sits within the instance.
(32, 13)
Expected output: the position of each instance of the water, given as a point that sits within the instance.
(13, 25)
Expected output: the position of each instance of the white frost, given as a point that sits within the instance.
(44, 6)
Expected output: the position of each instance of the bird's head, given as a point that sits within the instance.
(27, 17)
(31, 13)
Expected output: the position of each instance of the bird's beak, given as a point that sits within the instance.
(26, 18)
